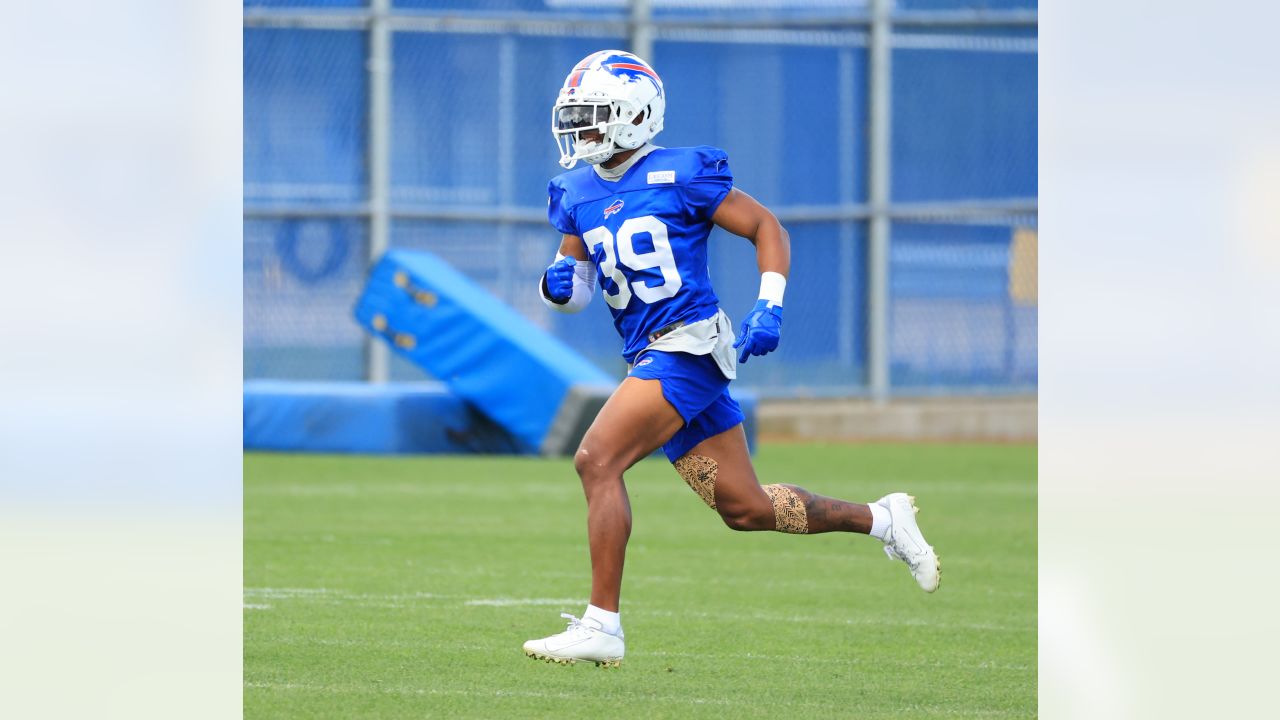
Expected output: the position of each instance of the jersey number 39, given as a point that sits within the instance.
(617, 261)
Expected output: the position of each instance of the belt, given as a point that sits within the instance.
(665, 330)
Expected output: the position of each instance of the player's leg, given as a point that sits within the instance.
(719, 469)
(723, 464)
(635, 421)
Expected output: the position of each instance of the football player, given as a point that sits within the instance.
(635, 222)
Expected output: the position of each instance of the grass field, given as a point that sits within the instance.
(403, 588)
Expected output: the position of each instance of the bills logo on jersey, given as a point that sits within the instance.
(615, 207)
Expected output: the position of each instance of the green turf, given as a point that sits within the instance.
(403, 588)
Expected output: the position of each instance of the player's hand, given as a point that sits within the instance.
(760, 331)
(559, 280)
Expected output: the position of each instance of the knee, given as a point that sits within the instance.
(582, 462)
(747, 517)
(594, 467)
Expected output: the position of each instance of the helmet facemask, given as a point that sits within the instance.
(570, 122)
(619, 127)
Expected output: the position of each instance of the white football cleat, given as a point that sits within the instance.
(905, 542)
(584, 640)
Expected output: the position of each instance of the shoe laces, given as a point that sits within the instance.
(576, 625)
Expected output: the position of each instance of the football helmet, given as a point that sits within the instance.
(606, 92)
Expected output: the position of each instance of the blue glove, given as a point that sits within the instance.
(760, 331)
(559, 280)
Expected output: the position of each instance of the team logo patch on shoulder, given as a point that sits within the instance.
(662, 176)
(615, 207)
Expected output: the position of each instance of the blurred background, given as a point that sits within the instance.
(896, 140)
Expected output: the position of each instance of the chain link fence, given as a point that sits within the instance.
(783, 87)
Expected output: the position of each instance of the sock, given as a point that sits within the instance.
(879, 521)
(610, 622)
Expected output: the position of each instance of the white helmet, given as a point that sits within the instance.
(614, 93)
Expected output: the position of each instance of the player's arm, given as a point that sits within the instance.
(569, 282)
(741, 214)
(573, 246)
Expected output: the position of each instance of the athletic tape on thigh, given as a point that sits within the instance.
(700, 472)
(788, 510)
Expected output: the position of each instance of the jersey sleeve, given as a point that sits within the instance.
(711, 182)
(557, 213)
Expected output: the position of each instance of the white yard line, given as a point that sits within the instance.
(400, 690)
(677, 700)
(287, 592)
(339, 595)
(399, 600)
(836, 660)
(510, 602)
(675, 655)
(826, 620)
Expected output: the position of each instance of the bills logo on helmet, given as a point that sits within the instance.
(619, 64)
(613, 208)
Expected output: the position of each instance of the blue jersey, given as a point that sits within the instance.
(647, 234)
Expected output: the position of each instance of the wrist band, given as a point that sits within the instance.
(772, 287)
